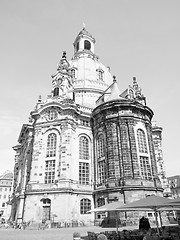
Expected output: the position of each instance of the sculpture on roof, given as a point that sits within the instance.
(63, 79)
(63, 64)
(138, 92)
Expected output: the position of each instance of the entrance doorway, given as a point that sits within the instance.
(46, 214)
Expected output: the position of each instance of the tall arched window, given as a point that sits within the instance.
(101, 167)
(100, 146)
(83, 148)
(51, 145)
(87, 45)
(141, 141)
(85, 206)
(73, 73)
(56, 92)
(77, 46)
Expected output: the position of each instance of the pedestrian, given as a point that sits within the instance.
(144, 224)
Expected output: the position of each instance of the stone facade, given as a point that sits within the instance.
(53, 173)
(115, 123)
(157, 140)
(62, 169)
(124, 164)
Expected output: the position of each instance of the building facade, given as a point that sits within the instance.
(125, 162)
(73, 154)
(5, 193)
(174, 184)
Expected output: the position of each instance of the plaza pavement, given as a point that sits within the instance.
(52, 234)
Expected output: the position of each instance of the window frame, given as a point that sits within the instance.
(85, 206)
(84, 148)
(84, 173)
(145, 168)
(87, 45)
(142, 142)
(50, 167)
(51, 146)
(56, 92)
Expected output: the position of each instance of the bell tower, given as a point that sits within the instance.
(84, 42)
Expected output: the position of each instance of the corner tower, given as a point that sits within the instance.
(124, 162)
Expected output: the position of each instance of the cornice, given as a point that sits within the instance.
(58, 190)
(128, 188)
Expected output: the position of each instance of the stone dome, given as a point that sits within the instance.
(90, 77)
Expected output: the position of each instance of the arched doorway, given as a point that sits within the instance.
(46, 214)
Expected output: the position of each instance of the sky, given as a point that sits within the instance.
(136, 38)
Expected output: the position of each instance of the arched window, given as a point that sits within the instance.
(100, 202)
(87, 45)
(52, 114)
(46, 201)
(46, 209)
(85, 206)
(77, 46)
(56, 92)
(100, 146)
(51, 145)
(100, 75)
(141, 141)
(131, 94)
(73, 73)
(83, 148)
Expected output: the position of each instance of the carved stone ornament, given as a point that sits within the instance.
(51, 115)
(63, 64)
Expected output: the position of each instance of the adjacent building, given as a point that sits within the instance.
(174, 184)
(86, 144)
(5, 193)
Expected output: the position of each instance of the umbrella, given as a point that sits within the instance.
(109, 207)
(116, 207)
(176, 201)
(155, 203)
(150, 203)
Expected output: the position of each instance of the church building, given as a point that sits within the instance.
(85, 145)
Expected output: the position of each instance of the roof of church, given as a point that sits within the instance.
(85, 32)
(115, 92)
